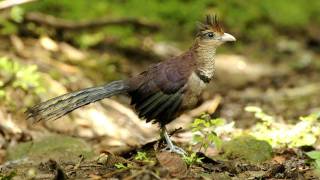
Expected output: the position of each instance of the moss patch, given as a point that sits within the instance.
(247, 148)
(54, 146)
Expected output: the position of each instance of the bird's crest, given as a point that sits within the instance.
(211, 23)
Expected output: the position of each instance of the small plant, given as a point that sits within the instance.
(17, 14)
(278, 134)
(10, 176)
(203, 131)
(315, 156)
(17, 76)
(259, 114)
(142, 156)
(192, 159)
(122, 166)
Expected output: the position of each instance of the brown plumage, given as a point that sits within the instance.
(212, 23)
(159, 94)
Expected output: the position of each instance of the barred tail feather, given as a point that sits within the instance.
(62, 105)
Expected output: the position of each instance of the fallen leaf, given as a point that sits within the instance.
(279, 159)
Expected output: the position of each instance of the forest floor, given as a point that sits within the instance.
(155, 164)
(107, 140)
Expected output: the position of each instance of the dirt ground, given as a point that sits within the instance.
(285, 164)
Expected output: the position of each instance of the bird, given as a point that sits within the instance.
(160, 93)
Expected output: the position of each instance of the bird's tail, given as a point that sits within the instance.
(62, 105)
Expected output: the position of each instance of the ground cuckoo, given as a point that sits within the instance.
(159, 94)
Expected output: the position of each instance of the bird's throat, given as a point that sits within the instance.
(205, 60)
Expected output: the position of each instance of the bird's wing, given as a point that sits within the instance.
(159, 90)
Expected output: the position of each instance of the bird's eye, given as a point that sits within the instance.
(210, 34)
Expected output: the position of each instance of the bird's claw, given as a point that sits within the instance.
(175, 149)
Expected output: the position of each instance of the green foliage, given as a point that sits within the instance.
(247, 148)
(122, 166)
(52, 146)
(315, 156)
(141, 156)
(10, 176)
(305, 132)
(203, 131)
(259, 114)
(255, 20)
(2, 93)
(86, 40)
(17, 76)
(8, 27)
(192, 159)
(281, 12)
(17, 13)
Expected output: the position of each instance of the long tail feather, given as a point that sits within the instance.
(62, 105)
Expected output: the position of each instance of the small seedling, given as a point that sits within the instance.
(192, 159)
(19, 76)
(203, 131)
(141, 156)
(121, 166)
(315, 156)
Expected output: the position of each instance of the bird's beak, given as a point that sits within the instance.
(227, 37)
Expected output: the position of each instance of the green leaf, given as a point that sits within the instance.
(141, 156)
(317, 163)
(314, 155)
(2, 94)
(253, 109)
(217, 122)
(198, 138)
(8, 27)
(121, 166)
(311, 117)
(192, 159)
(207, 124)
(214, 139)
(17, 13)
(195, 129)
(264, 117)
(197, 122)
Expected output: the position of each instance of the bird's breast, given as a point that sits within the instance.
(195, 87)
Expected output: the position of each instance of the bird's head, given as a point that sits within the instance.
(211, 33)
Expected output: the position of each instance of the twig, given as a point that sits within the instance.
(10, 3)
(177, 130)
(79, 163)
(51, 21)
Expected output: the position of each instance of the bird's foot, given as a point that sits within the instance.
(175, 149)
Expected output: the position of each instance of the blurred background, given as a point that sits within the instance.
(50, 47)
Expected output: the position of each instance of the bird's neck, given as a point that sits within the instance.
(205, 60)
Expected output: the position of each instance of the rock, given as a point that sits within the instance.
(48, 44)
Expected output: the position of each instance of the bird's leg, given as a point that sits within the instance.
(170, 147)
